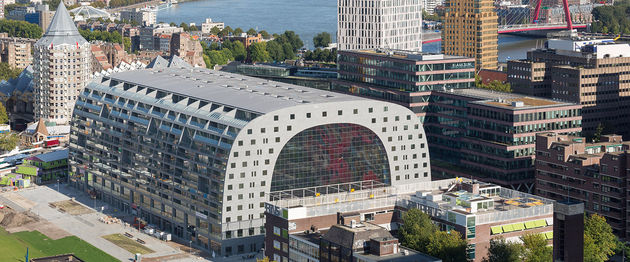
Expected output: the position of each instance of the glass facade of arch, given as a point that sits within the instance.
(331, 154)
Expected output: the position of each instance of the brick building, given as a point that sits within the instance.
(16, 51)
(188, 49)
(594, 73)
(593, 173)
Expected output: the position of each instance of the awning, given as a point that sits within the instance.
(508, 228)
(496, 230)
(549, 235)
(530, 224)
(518, 226)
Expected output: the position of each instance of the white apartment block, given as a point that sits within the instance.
(143, 16)
(61, 68)
(208, 25)
(371, 24)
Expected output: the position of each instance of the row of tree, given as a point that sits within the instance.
(612, 18)
(119, 3)
(323, 55)
(20, 29)
(112, 37)
(282, 47)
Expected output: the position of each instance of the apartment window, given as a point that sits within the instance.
(324, 114)
(355, 111)
(292, 116)
(262, 130)
(275, 118)
(370, 110)
(288, 128)
(276, 129)
(339, 112)
(308, 115)
(249, 131)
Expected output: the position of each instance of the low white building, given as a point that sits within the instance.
(208, 25)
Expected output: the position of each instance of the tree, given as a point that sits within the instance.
(598, 132)
(238, 31)
(127, 43)
(264, 34)
(8, 141)
(287, 50)
(7, 72)
(257, 52)
(322, 39)
(419, 233)
(291, 38)
(504, 251)
(215, 30)
(599, 240)
(252, 31)
(536, 248)
(493, 85)
(4, 118)
(275, 51)
(184, 26)
(237, 48)
(173, 24)
(20, 29)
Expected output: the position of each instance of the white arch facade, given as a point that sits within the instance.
(249, 172)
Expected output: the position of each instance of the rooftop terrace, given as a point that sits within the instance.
(505, 100)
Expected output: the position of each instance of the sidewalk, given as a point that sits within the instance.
(87, 226)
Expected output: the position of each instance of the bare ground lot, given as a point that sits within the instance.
(71, 207)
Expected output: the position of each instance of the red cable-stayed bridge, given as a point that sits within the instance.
(510, 24)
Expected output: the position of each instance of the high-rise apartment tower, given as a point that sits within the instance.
(61, 68)
(369, 24)
(470, 29)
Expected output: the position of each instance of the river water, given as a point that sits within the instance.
(306, 17)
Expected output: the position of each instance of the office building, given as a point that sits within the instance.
(198, 152)
(470, 29)
(491, 135)
(592, 72)
(402, 77)
(157, 37)
(207, 26)
(479, 211)
(335, 225)
(143, 17)
(61, 68)
(568, 228)
(471, 132)
(16, 51)
(483, 211)
(567, 167)
(369, 24)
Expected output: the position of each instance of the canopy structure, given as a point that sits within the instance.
(86, 12)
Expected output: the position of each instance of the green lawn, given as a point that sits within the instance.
(13, 247)
(128, 244)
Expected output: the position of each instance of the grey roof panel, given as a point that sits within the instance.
(61, 30)
(158, 62)
(238, 91)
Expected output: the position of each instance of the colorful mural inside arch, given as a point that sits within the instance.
(330, 154)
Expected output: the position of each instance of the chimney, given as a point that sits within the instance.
(353, 223)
